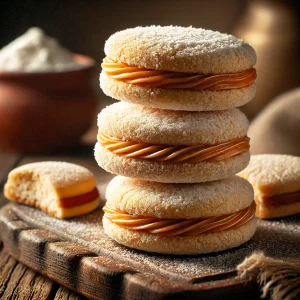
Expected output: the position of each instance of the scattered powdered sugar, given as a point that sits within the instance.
(34, 51)
(276, 238)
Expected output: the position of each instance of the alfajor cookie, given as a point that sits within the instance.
(276, 182)
(60, 189)
(178, 68)
(171, 146)
(179, 218)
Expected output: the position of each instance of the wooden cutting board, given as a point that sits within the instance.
(77, 254)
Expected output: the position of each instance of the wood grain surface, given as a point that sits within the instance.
(100, 276)
(21, 283)
(78, 255)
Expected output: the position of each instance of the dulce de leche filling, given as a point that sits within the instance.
(165, 153)
(179, 227)
(288, 198)
(177, 80)
(79, 200)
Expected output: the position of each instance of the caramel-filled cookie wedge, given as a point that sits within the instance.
(178, 68)
(61, 189)
(179, 218)
(171, 146)
(276, 182)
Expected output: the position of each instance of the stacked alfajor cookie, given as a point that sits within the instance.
(178, 138)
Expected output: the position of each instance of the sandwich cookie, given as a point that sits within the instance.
(178, 68)
(276, 182)
(61, 189)
(179, 218)
(171, 146)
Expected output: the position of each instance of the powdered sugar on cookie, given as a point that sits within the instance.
(181, 49)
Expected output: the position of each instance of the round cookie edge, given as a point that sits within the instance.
(187, 245)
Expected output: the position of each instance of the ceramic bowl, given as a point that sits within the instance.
(44, 112)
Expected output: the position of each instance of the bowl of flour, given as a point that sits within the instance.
(35, 52)
(46, 98)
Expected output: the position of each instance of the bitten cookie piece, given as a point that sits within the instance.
(61, 189)
(179, 218)
(171, 146)
(276, 182)
(178, 68)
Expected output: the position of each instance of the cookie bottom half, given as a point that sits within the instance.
(170, 172)
(181, 245)
(177, 99)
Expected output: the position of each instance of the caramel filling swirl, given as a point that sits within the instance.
(177, 80)
(165, 153)
(179, 227)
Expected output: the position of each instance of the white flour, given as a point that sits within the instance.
(34, 51)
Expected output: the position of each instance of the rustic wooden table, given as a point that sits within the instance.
(16, 280)
(157, 275)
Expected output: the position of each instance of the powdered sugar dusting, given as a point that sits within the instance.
(277, 238)
(273, 174)
(181, 38)
(60, 174)
(163, 200)
(176, 48)
(141, 124)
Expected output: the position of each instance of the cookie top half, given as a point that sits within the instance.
(165, 200)
(130, 122)
(180, 49)
(65, 179)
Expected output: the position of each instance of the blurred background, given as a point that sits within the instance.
(82, 26)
